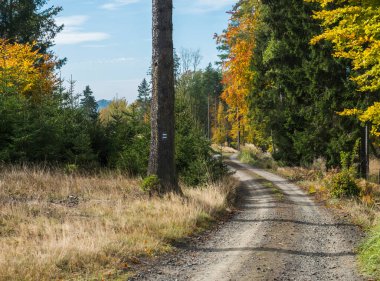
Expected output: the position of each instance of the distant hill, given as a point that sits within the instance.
(103, 103)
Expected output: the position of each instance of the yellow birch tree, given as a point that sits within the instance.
(353, 26)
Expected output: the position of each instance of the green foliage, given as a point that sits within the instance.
(297, 88)
(89, 104)
(201, 171)
(194, 157)
(194, 160)
(257, 158)
(151, 184)
(369, 255)
(26, 21)
(63, 128)
(51, 130)
(71, 168)
(200, 91)
(66, 129)
(127, 137)
(144, 95)
(343, 184)
(134, 156)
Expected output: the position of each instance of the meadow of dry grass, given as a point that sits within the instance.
(55, 226)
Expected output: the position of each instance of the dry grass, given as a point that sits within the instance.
(65, 227)
(374, 166)
(374, 170)
(224, 149)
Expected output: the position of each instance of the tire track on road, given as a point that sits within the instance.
(270, 238)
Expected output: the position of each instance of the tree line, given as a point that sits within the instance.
(300, 77)
(44, 120)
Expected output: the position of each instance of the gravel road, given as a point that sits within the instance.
(278, 234)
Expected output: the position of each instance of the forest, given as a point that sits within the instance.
(309, 83)
(299, 97)
(45, 123)
(297, 84)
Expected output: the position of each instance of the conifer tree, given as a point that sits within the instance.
(28, 21)
(281, 88)
(89, 105)
(144, 95)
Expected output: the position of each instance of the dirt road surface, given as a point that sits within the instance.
(278, 234)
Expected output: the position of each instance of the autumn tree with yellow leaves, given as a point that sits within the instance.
(24, 71)
(354, 29)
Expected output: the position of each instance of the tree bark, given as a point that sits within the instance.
(162, 160)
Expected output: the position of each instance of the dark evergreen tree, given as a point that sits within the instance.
(89, 104)
(212, 88)
(144, 95)
(28, 21)
(300, 87)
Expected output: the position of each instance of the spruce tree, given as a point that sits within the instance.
(89, 104)
(300, 87)
(26, 21)
(144, 95)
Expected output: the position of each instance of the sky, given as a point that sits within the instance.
(108, 42)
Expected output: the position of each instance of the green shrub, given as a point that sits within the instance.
(194, 157)
(246, 156)
(134, 156)
(343, 184)
(201, 171)
(71, 168)
(257, 159)
(151, 184)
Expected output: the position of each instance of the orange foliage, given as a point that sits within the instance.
(237, 72)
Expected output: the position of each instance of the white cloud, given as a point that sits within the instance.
(114, 4)
(73, 31)
(72, 21)
(72, 38)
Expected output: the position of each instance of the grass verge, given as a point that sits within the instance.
(369, 257)
(253, 156)
(55, 226)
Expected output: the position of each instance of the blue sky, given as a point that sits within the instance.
(108, 42)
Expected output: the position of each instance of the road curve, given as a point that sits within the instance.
(278, 234)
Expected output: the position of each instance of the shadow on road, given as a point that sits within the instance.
(275, 250)
(298, 222)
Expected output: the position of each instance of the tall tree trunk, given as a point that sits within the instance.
(161, 160)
